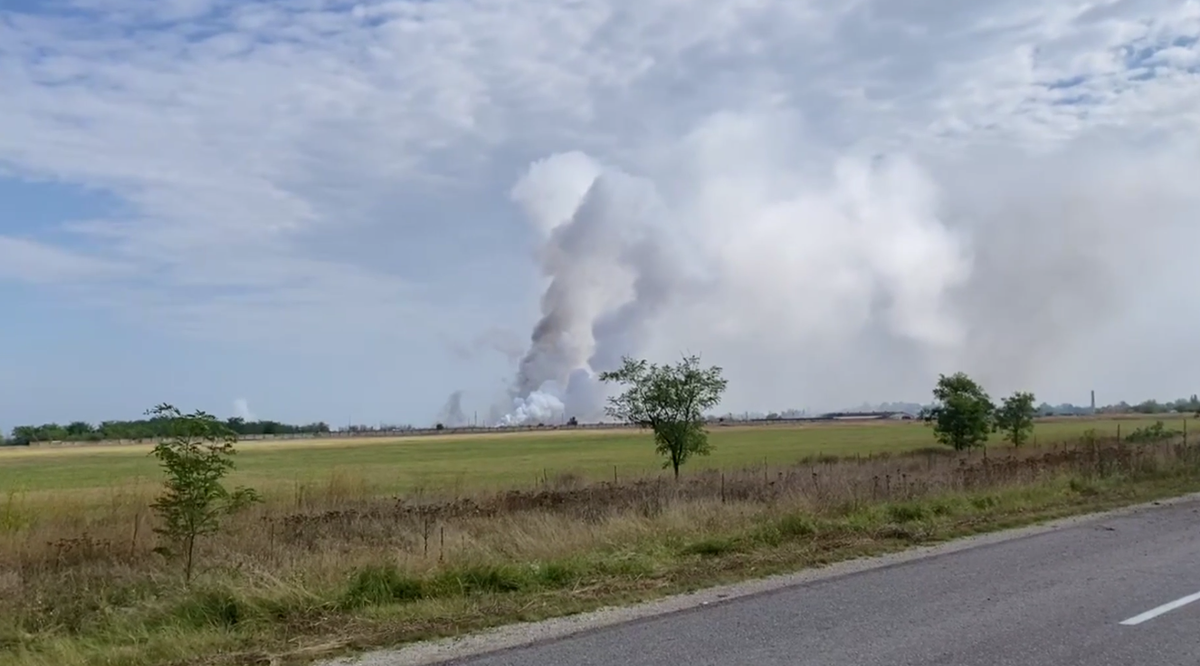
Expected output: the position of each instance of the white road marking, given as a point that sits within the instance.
(1165, 608)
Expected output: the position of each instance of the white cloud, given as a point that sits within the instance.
(271, 151)
(30, 261)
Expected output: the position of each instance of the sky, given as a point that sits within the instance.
(348, 211)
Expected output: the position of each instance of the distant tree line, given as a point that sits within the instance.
(149, 428)
(153, 428)
(1182, 406)
(1189, 405)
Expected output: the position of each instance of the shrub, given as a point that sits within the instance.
(196, 453)
(1152, 433)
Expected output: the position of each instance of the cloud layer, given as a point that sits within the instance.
(855, 194)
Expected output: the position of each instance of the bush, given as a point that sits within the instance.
(1152, 433)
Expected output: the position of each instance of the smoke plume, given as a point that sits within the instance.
(609, 261)
(822, 280)
(451, 414)
(241, 409)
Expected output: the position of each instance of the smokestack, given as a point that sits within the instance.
(1093, 401)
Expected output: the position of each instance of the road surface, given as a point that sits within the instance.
(1122, 590)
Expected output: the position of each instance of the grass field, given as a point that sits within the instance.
(489, 461)
(332, 561)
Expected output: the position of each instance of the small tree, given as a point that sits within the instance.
(196, 452)
(1015, 417)
(962, 415)
(670, 400)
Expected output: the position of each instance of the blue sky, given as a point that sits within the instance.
(308, 205)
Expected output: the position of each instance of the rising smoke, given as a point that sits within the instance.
(241, 409)
(608, 257)
(451, 414)
(825, 281)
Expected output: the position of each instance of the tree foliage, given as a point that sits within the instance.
(670, 400)
(196, 453)
(1015, 417)
(151, 428)
(962, 414)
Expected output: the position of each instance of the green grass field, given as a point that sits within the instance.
(489, 460)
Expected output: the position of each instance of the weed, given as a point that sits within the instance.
(558, 574)
(480, 579)
(985, 502)
(947, 506)
(908, 512)
(380, 584)
(214, 607)
(795, 525)
(712, 547)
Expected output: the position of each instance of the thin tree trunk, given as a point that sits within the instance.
(191, 549)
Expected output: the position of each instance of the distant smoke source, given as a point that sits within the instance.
(610, 270)
(241, 409)
(452, 415)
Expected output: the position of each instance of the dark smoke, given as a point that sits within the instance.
(451, 414)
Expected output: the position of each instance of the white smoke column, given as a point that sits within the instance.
(241, 409)
(551, 194)
(537, 407)
(551, 191)
(610, 271)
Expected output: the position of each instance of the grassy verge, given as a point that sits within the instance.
(288, 587)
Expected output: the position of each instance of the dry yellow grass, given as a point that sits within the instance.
(333, 562)
(340, 557)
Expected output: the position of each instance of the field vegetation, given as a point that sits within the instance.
(373, 543)
(466, 463)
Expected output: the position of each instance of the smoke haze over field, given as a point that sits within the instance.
(855, 275)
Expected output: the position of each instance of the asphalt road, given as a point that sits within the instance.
(1096, 594)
